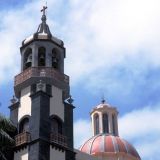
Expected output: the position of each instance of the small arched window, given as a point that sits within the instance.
(55, 59)
(96, 120)
(28, 58)
(41, 56)
(113, 123)
(105, 123)
(56, 126)
(24, 125)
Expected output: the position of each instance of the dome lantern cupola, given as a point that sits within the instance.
(104, 119)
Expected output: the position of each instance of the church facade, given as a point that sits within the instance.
(43, 109)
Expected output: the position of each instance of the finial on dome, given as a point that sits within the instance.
(103, 99)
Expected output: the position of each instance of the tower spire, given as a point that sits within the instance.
(44, 14)
(43, 27)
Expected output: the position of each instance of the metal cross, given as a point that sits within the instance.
(44, 9)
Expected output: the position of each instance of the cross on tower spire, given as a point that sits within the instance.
(43, 27)
(44, 9)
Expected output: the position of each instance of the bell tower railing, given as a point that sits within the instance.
(22, 138)
(40, 72)
(58, 139)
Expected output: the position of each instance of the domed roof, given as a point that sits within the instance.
(104, 143)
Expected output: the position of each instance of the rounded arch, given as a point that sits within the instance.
(56, 124)
(27, 60)
(41, 56)
(24, 124)
(105, 123)
(96, 123)
(55, 58)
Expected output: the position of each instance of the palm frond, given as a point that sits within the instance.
(5, 139)
(2, 156)
(6, 124)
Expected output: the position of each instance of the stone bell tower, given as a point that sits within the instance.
(42, 110)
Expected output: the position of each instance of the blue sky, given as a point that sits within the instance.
(113, 48)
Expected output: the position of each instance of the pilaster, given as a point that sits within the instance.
(40, 127)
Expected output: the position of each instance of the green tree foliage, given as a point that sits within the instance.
(7, 130)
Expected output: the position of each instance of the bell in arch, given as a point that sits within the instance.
(54, 62)
(29, 61)
(42, 57)
(42, 60)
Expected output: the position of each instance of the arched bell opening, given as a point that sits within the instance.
(27, 58)
(96, 124)
(41, 56)
(55, 59)
(24, 125)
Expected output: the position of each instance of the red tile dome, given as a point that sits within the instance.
(104, 143)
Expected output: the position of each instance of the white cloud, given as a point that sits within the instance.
(99, 34)
(82, 132)
(106, 33)
(140, 122)
(142, 127)
(139, 127)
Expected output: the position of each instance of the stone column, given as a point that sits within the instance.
(110, 123)
(48, 57)
(100, 122)
(34, 56)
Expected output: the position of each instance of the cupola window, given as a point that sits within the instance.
(105, 123)
(41, 56)
(96, 119)
(113, 123)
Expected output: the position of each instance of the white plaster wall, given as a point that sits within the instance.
(25, 103)
(21, 155)
(56, 104)
(56, 154)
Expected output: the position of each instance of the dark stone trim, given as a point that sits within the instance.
(50, 81)
(68, 123)
(39, 146)
(49, 89)
(44, 40)
(70, 155)
(56, 117)
(39, 93)
(14, 106)
(14, 113)
(21, 147)
(58, 146)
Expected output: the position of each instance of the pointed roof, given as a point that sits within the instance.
(43, 32)
(43, 27)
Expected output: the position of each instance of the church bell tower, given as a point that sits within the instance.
(42, 110)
